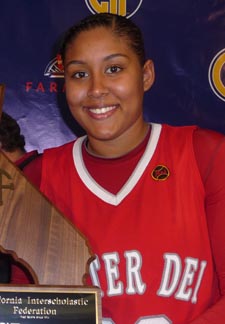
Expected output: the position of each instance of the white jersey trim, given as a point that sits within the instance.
(99, 191)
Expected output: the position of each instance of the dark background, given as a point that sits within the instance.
(182, 37)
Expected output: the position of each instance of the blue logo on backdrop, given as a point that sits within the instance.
(120, 7)
(217, 74)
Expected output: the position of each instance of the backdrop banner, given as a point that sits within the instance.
(184, 38)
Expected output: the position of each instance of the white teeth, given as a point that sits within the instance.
(102, 110)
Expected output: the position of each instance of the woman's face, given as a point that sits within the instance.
(105, 83)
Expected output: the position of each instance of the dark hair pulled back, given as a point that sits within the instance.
(120, 26)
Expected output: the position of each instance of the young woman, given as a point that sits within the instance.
(147, 196)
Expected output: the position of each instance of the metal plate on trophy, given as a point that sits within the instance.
(48, 305)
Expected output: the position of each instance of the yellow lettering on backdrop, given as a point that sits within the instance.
(216, 74)
(112, 6)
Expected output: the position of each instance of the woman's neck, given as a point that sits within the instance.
(119, 146)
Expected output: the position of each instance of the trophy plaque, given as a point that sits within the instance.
(51, 248)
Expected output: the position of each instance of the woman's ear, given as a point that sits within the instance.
(148, 74)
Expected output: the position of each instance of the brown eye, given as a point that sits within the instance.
(113, 69)
(80, 75)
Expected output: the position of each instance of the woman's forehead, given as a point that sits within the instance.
(97, 32)
(99, 38)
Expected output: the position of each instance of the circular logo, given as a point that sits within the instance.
(160, 173)
(120, 7)
(217, 74)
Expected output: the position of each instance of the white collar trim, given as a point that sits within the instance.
(99, 191)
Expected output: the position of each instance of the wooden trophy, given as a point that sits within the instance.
(54, 252)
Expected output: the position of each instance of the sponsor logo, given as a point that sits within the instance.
(43, 87)
(120, 7)
(217, 74)
(160, 173)
(54, 69)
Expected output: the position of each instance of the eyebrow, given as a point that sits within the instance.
(107, 58)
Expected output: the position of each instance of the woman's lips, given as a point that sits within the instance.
(101, 112)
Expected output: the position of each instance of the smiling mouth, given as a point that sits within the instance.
(102, 110)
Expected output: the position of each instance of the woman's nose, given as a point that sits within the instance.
(97, 86)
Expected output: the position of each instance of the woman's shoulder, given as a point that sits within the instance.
(207, 140)
(57, 149)
(209, 148)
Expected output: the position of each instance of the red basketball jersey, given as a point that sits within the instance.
(153, 257)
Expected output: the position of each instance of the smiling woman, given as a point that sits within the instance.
(104, 91)
(147, 196)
